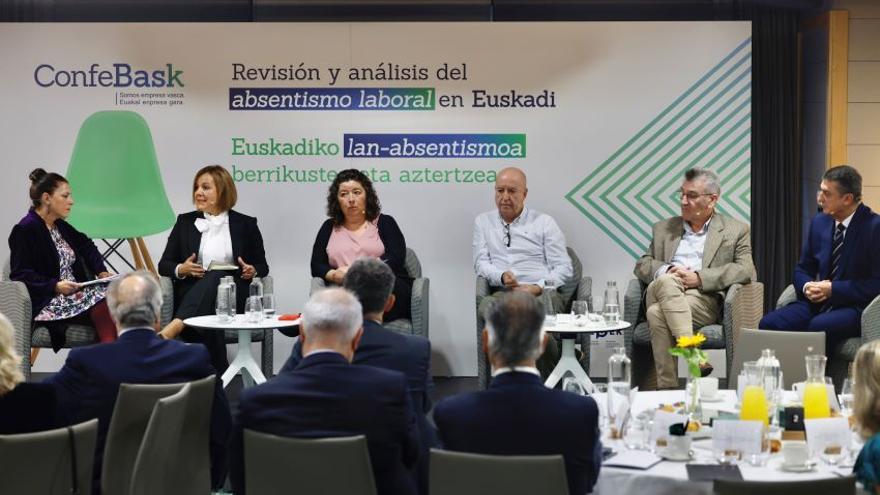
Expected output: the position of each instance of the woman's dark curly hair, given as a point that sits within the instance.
(334, 211)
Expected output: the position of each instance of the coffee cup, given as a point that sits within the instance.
(678, 447)
(708, 387)
(795, 452)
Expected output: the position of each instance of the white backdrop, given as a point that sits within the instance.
(635, 104)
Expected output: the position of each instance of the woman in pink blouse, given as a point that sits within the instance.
(356, 228)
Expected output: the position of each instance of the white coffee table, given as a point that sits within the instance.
(244, 360)
(568, 332)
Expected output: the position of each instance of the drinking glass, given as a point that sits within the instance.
(268, 305)
(596, 305)
(580, 311)
(636, 434)
(254, 309)
(833, 454)
(571, 384)
(760, 459)
(728, 456)
(846, 397)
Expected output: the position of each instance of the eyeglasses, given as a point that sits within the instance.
(692, 196)
(507, 234)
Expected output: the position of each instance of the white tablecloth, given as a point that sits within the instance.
(671, 478)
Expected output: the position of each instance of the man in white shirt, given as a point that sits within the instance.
(691, 260)
(520, 249)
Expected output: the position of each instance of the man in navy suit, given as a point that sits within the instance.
(839, 270)
(372, 282)
(325, 395)
(88, 383)
(517, 414)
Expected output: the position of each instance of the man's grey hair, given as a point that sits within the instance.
(333, 311)
(514, 323)
(135, 299)
(372, 281)
(711, 183)
(848, 180)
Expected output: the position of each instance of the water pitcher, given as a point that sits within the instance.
(619, 379)
(754, 401)
(815, 391)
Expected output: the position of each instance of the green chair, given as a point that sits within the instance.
(115, 179)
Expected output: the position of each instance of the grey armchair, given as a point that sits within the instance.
(15, 303)
(842, 357)
(743, 307)
(419, 304)
(265, 337)
(579, 289)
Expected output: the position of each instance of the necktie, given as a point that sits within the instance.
(836, 251)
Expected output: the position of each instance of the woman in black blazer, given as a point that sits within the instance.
(24, 407)
(214, 232)
(52, 258)
(356, 228)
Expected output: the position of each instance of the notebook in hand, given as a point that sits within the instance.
(219, 265)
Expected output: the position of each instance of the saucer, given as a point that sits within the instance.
(678, 457)
(798, 468)
(713, 398)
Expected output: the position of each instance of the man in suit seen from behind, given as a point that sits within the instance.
(517, 414)
(88, 383)
(327, 396)
(372, 281)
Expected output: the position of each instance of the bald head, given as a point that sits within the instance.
(135, 300)
(510, 193)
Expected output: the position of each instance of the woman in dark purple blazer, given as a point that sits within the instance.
(52, 259)
(24, 407)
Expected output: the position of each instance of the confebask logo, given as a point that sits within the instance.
(119, 75)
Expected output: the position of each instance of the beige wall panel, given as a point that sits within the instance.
(864, 81)
(864, 123)
(859, 9)
(866, 158)
(871, 197)
(864, 39)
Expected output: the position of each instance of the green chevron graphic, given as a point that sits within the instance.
(708, 126)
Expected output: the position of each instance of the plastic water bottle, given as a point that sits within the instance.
(619, 380)
(233, 295)
(612, 303)
(256, 288)
(222, 307)
(773, 385)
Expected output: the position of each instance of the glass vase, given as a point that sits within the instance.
(692, 405)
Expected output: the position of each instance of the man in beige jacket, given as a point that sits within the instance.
(691, 260)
